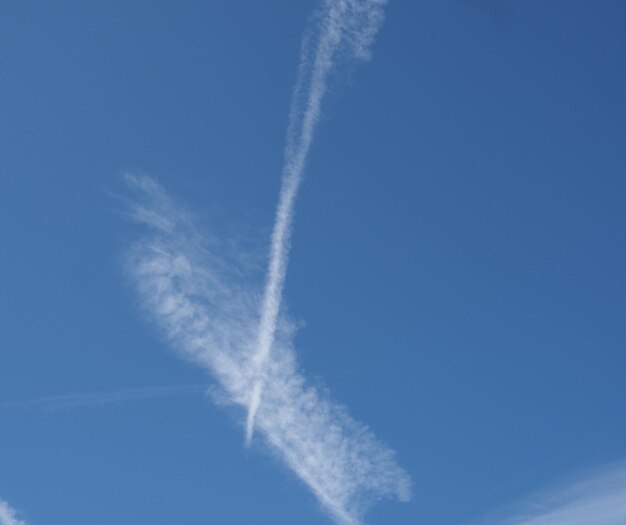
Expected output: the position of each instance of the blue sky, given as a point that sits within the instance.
(456, 270)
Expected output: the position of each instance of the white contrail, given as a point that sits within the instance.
(8, 516)
(345, 27)
(207, 303)
(598, 499)
(54, 403)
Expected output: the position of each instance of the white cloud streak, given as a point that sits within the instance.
(342, 30)
(207, 303)
(598, 499)
(69, 401)
(8, 515)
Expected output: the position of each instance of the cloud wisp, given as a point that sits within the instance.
(342, 30)
(69, 401)
(8, 515)
(598, 499)
(206, 300)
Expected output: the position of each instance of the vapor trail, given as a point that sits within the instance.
(8, 516)
(54, 403)
(205, 296)
(345, 27)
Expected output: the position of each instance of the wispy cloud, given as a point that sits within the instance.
(68, 401)
(8, 515)
(207, 303)
(342, 30)
(598, 498)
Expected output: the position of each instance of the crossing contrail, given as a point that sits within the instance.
(343, 30)
(206, 298)
(209, 306)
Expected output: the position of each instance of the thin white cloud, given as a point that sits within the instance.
(342, 30)
(8, 515)
(208, 306)
(595, 499)
(55, 403)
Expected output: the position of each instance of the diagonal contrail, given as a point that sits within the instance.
(206, 301)
(345, 27)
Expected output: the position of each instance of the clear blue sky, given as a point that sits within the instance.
(457, 264)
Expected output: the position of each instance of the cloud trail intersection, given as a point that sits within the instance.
(224, 320)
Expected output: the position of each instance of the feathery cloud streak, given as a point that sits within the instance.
(207, 302)
(8, 516)
(342, 30)
(68, 401)
(599, 499)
